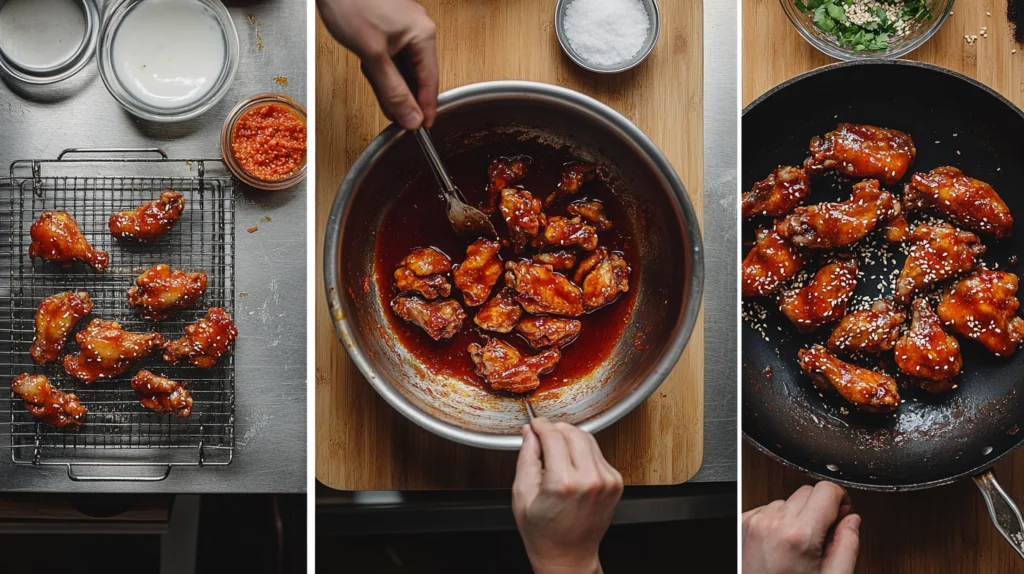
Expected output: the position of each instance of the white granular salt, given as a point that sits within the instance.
(606, 32)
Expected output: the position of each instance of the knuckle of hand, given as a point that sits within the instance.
(795, 538)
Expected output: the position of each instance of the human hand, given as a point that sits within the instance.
(563, 503)
(379, 32)
(811, 533)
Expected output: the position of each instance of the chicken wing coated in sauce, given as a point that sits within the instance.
(607, 277)
(927, 353)
(500, 314)
(863, 151)
(969, 202)
(541, 332)
(824, 299)
(873, 330)
(566, 232)
(423, 271)
(56, 317)
(57, 238)
(863, 388)
(441, 319)
(563, 260)
(107, 350)
(523, 216)
(574, 175)
(505, 369)
(205, 341)
(542, 291)
(505, 172)
(983, 307)
(160, 292)
(476, 276)
(771, 262)
(938, 253)
(832, 225)
(592, 212)
(48, 404)
(162, 395)
(777, 194)
(151, 221)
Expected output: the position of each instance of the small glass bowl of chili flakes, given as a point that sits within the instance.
(264, 142)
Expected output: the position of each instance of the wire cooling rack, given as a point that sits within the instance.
(117, 431)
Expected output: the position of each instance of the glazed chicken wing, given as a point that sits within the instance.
(151, 221)
(205, 341)
(983, 307)
(603, 283)
(824, 299)
(48, 404)
(159, 292)
(479, 272)
(423, 271)
(967, 201)
(505, 369)
(927, 353)
(542, 291)
(107, 351)
(57, 238)
(938, 253)
(56, 317)
(771, 262)
(574, 175)
(541, 332)
(872, 330)
(441, 319)
(505, 172)
(500, 314)
(161, 395)
(863, 151)
(565, 232)
(777, 194)
(865, 389)
(832, 225)
(592, 212)
(563, 260)
(522, 215)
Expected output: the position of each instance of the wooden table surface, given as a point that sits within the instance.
(944, 529)
(361, 442)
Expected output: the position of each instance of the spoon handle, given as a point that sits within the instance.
(434, 159)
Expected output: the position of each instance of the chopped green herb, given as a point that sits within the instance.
(864, 24)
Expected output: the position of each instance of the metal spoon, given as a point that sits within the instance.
(529, 409)
(465, 220)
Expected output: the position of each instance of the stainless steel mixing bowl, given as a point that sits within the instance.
(671, 267)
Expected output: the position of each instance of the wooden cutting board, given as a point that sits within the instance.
(944, 529)
(361, 442)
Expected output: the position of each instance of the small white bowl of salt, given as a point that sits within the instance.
(607, 36)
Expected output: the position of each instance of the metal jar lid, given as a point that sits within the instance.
(46, 26)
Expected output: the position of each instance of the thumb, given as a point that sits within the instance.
(393, 92)
(841, 554)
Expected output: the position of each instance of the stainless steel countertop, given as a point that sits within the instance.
(270, 354)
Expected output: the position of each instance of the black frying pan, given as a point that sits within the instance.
(929, 441)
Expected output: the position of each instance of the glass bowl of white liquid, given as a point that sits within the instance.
(167, 60)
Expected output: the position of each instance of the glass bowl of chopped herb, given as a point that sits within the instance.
(866, 29)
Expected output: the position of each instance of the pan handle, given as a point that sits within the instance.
(1002, 509)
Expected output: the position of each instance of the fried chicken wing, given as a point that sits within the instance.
(592, 212)
(500, 314)
(927, 353)
(897, 229)
(48, 404)
(863, 151)
(205, 341)
(873, 330)
(604, 282)
(162, 395)
(441, 319)
(56, 317)
(967, 201)
(832, 225)
(541, 332)
(574, 175)
(772, 261)
(983, 307)
(505, 172)
(563, 260)
(824, 299)
(423, 271)
(565, 232)
(777, 194)
(107, 351)
(865, 389)
(542, 291)
(160, 292)
(476, 276)
(57, 238)
(523, 216)
(505, 369)
(938, 253)
(151, 221)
